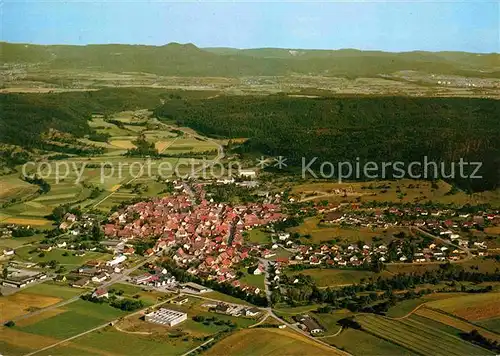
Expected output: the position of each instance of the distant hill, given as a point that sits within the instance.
(188, 60)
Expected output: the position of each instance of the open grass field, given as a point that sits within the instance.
(474, 307)
(225, 298)
(455, 323)
(149, 297)
(78, 317)
(329, 277)
(258, 236)
(358, 342)
(417, 336)
(320, 233)
(52, 289)
(253, 280)
(264, 342)
(329, 320)
(69, 261)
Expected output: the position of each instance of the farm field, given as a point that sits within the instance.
(405, 307)
(23, 302)
(265, 342)
(475, 307)
(17, 343)
(358, 342)
(491, 324)
(225, 298)
(455, 323)
(15, 242)
(329, 277)
(418, 337)
(109, 341)
(61, 326)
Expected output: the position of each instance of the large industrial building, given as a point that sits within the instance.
(166, 317)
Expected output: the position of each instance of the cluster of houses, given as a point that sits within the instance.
(355, 255)
(97, 271)
(233, 309)
(206, 237)
(159, 278)
(410, 216)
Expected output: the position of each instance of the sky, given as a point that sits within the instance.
(471, 26)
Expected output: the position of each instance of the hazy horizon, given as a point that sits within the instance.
(390, 26)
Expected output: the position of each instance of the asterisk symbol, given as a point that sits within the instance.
(262, 162)
(280, 162)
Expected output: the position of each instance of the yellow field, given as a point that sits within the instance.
(22, 339)
(161, 145)
(27, 221)
(19, 303)
(456, 323)
(471, 307)
(122, 144)
(495, 230)
(115, 187)
(264, 342)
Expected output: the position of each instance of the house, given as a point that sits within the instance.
(8, 252)
(149, 252)
(60, 278)
(221, 308)
(45, 248)
(180, 300)
(116, 261)
(310, 324)
(252, 312)
(99, 278)
(128, 251)
(61, 244)
(247, 173)
(81, 283)
(259, 270)
(100, 293)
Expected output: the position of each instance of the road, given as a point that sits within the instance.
(196, 348)
(267, 282)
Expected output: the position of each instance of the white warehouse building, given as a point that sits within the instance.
(166, 317)
(116, 261)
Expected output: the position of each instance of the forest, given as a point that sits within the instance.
(338, 129)
(24, 117)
